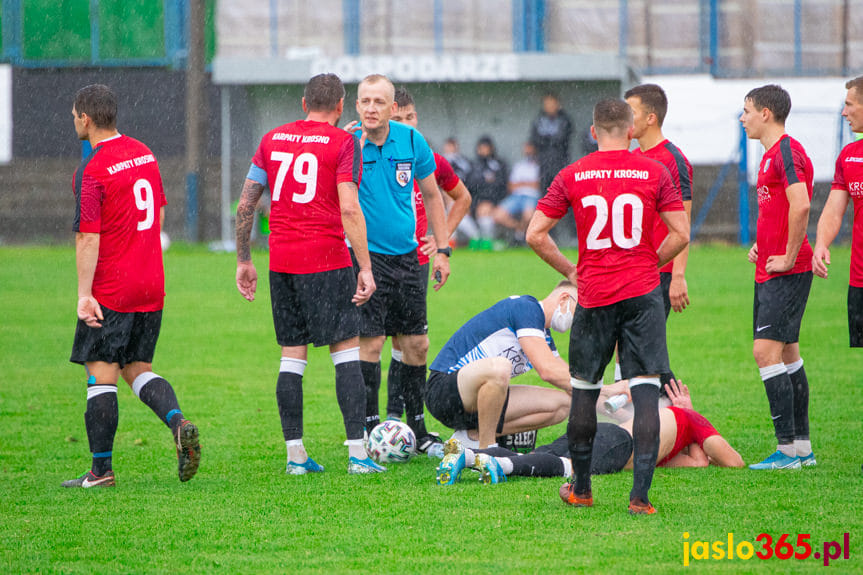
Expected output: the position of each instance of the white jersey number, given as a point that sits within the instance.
(621, 238)
(144, 201)
(305, 172)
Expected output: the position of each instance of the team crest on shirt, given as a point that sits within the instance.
(767, 165)
(403, 173)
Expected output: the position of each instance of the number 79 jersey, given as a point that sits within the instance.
(302, 163)
(616, 197)
(118, 195)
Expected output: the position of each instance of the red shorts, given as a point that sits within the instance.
(692, 427)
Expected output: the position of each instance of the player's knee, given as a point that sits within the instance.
(500, 372)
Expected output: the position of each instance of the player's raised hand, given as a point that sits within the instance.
(247, 279)
(89, 311)
(441, 270)
(365, 287)
(353, 127)
(753, 254)
(820, 261)
(678, 393)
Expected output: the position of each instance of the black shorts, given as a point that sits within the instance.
(314, 308)
(123, 338)
(778, 307)
(855, 316)
(424, 272)
(444, 402)
(398, 306)
(665, 284)
(636, 325)
(612, 448)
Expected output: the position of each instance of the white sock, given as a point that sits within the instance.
(468, 227)
(803, 447)
(505, 464)
(469, 456)
(788, 450)
(617, 374)
(567, 466)
(464, 438)
(296, 451)
(486, 226)
(356, 449)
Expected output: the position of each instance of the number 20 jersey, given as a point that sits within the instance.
(304, 162)
(616, 197)
(118, 195)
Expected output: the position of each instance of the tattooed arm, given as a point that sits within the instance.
(247, 275)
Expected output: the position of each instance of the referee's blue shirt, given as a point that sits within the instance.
(387, 187)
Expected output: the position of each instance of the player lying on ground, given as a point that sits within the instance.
(686, 439)
(469, 384)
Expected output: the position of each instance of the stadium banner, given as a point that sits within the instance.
(506, 67)
(5, 113)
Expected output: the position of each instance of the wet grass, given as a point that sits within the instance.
(242, 514)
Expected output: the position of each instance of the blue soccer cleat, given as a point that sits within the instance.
(452, 464)
(778, 460)
(489, 469)
(808, 460)
(310, 466)
(358, 466)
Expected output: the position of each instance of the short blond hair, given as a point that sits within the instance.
(376, 78)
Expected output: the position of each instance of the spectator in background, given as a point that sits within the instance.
(516, 210)
(488, 187)
(551, 133)
(462, 167)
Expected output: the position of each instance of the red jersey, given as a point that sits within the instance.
(672, 158)
(849, 177)
(118, 195)
(305, 161)
(447, 181)
(615, 197)
(784, 164)
(692, 427)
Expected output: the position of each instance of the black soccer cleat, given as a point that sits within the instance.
(425, 443)
(188, 450)
(90, 480)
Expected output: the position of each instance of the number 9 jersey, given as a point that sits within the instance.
(118, 195)
(302, 163)
(616, 197)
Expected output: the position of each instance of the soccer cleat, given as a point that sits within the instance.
(309, 466)
(188, 450)
(489, 469)
(425, 443)
(89, 480)
(453, 462)
(808, 460)
(570, 497)
(361, 466)
(778, 460)
(641, 508)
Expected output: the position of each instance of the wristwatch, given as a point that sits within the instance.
(447, 251)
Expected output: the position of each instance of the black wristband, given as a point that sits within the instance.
(447, 251)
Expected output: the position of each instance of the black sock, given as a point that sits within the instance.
(780, 396)
(645, 438)
(580, 431)
(413, 383)
(537, 465)
(101, 420)
(289, 398)
(395, 399)
(665, 378)
(800, 386)
(158, 395)
(372, 378)
(350, 393)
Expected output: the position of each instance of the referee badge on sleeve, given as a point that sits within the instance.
(403, 173)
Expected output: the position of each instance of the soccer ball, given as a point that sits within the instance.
(392, 442)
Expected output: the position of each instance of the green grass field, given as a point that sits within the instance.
(243, 514)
